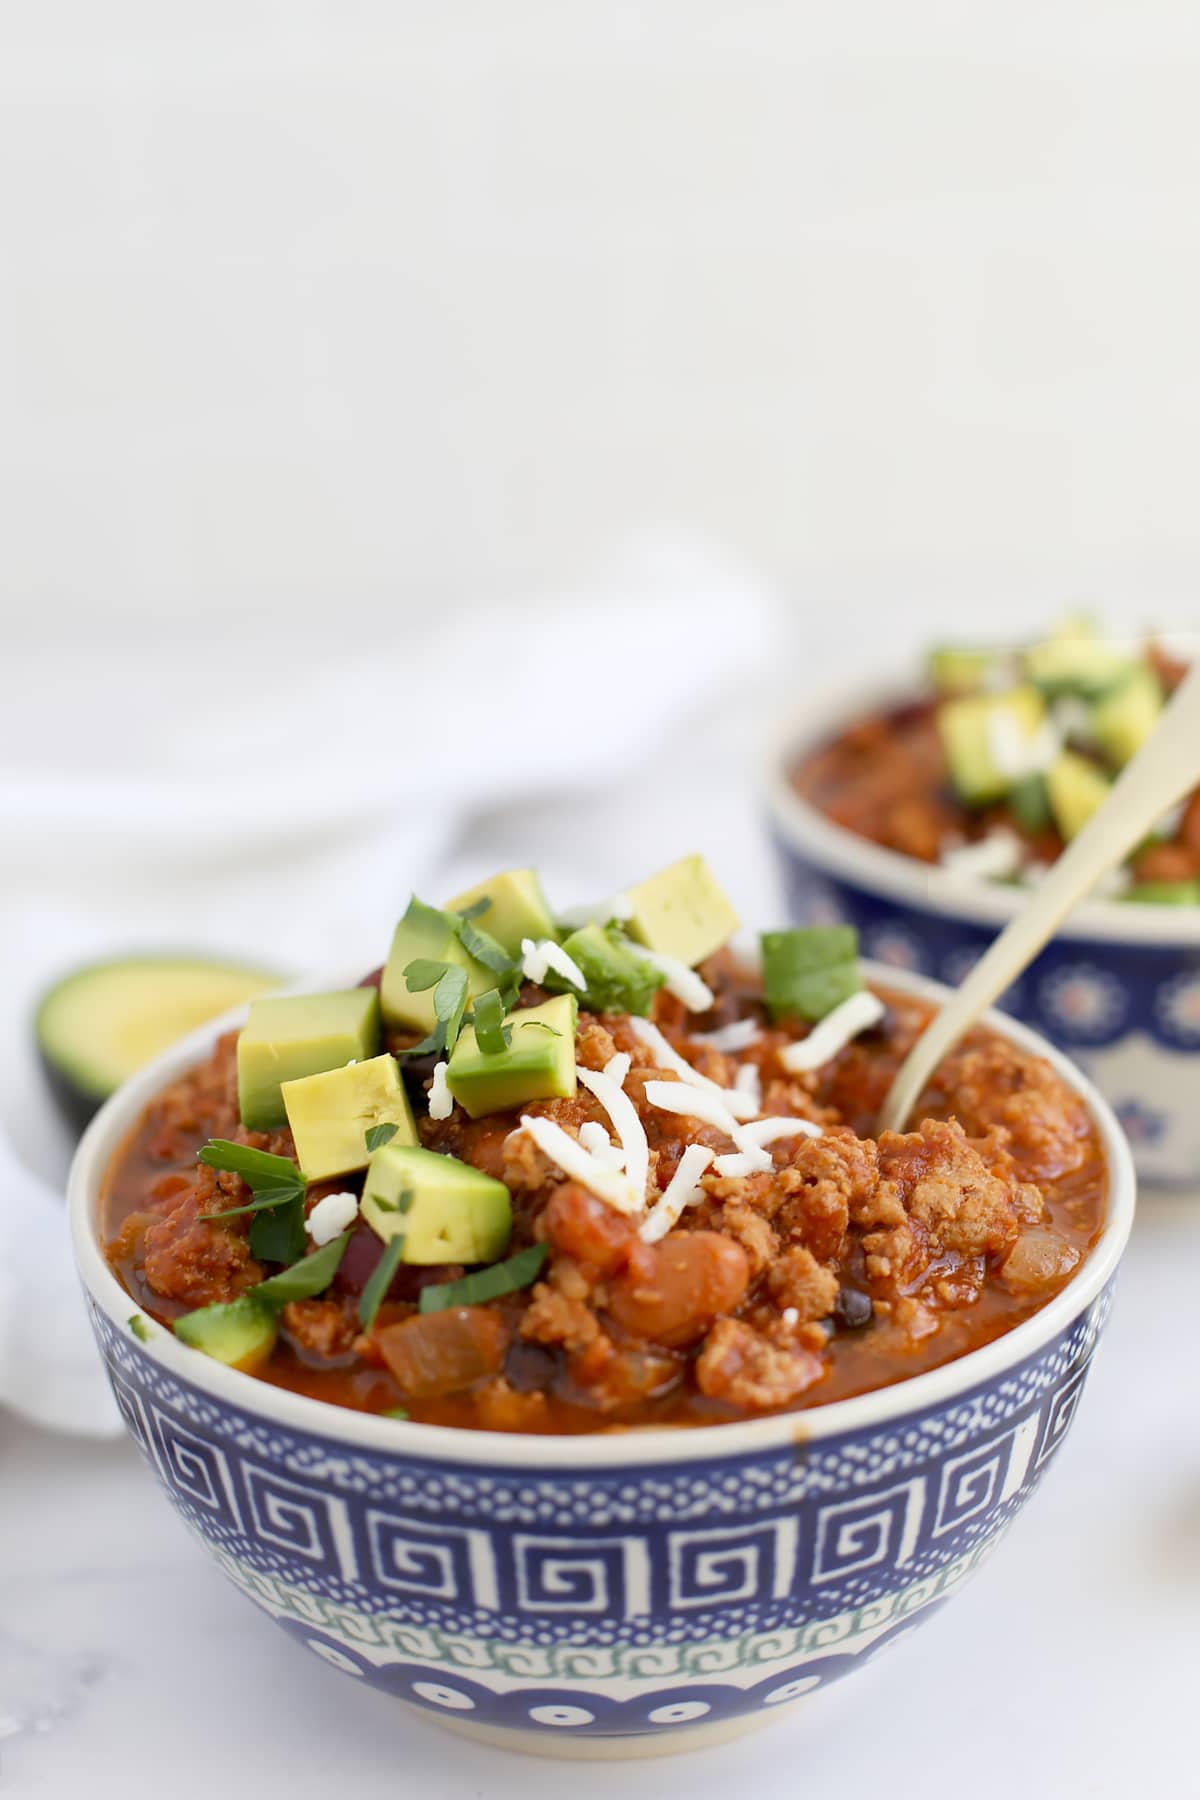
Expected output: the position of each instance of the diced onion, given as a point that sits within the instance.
(679, 1192)
(834, 1032)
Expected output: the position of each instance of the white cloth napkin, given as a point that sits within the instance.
(281, 801)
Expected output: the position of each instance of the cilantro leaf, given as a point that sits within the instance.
(277, 1234)
(487, 1284)
(257, 1168)
(490, 1032)
(484, 948)
(277, 1231)
(449, 1005)
(379, 1135)
(379, 1282)
(423, 973)
(476, 908)
(306, 1278)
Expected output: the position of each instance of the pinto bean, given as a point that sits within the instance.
(588, 1231)
(670, 1293)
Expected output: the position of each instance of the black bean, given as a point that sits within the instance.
(852, 1309)
(529, 1368)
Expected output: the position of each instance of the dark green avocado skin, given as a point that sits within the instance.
(76, 1105)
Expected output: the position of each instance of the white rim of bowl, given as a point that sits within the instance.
(652, 1444)
(926, 886)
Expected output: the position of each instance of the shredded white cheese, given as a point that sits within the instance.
(790, 1316)
(698, 1103)
(609, 1185)
(681, 981)
(1073, 719)
(441, 1100)
(332, 1215)
(768, 1131)
(991, 858)
(1017, 753)
(631, 1133)
(680, 1191)
(597, 1143)
(601, 912)
(740, 1105)
(834, 1032)
(748, 1081)
(617, 1067)
(737, 1164)
(732, 1038)
(537, 958)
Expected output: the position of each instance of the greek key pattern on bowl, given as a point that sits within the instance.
(824, 1527)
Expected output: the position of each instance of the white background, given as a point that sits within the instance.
(339, 310)
(322, 322)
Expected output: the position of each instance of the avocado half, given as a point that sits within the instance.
(98, 1025)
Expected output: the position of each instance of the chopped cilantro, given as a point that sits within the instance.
(379, 1282)
(487, 1284)
(379, 1135)
(306, 1278)
(423, 973)
(491, 1033)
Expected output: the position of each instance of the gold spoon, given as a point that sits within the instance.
(1165, 769)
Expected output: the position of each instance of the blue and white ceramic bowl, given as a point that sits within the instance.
(609, 1595)
(1118, 989)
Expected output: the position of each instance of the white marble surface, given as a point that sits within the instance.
(1067, 1669)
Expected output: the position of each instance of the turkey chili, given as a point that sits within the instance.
(583, 1173)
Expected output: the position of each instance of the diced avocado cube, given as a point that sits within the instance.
(682, 911)
(424, 934)
(986, 738)
(1076, 788)
(1162, 893)
(618, 979)
(300, 1034)
(809, 970)
(539, 1063)
(955, 671)
(1075, 659)
(240, 1333)
(331, 1113)
(445, 1210)
(1030, 803)
(1123, 718)
(518, 908)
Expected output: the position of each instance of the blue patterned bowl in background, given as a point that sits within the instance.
(1118, 989)
(611, 1595)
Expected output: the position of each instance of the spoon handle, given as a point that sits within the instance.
(1163, 771)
